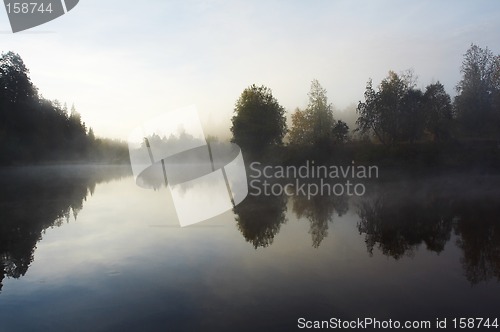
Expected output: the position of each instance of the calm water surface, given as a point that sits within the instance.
(85, 249)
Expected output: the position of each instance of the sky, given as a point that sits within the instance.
(123, 62)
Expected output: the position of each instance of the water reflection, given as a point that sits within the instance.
(33, 199)
(398, 219)
(319, 210)
(399, 225)
(259, 218)
(98, 269)
(478, 226)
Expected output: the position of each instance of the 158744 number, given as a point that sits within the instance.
(28, 8)
(475, 323)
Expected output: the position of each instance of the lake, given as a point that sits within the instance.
(83, 248)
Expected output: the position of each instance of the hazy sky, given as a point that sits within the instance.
(122, 62)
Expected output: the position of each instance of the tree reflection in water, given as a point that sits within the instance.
(398, 223)
(398, 226)
(319, 210)
(33, 199)
(259, 218)
(398, 219)
(478, 226)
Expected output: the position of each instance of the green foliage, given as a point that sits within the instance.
(315, 124)
(302, 128)
(320, 112)
(259, 121)
(398, 112)
(380, 113)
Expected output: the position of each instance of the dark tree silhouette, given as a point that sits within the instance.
(33, 129)
(15, 84)
(340, 132)
(392, 113)
(438, 110)
(412, 116)
(398, 112)
(476, 104)
(259, 121)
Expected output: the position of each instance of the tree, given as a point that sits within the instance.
(15, 84)
(340, 132)
(91, 135)
(476, 104)
(33, 129)
(369, 118)
(321, 114)
(259, 121)
(394, 113)
(412, 123)
(438, 110)
(18, 98)
(302, 130)
(314, 125)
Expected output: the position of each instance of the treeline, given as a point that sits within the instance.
(394, 118)
(399, 112)
(35, 130)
